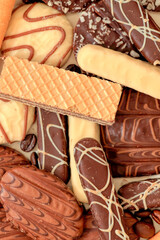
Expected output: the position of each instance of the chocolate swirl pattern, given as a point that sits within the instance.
(40, 204)
(10, 158)
(139, 26)
(52, 143)
(39, 33)
(140, 195)
(91, 164)
(132, 142)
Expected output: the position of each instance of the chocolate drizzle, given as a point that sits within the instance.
(41, 204)
(139, 26)
(95, 176)
(36, 30)
(52, 143)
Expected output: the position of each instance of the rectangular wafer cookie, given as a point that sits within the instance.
(59, 90)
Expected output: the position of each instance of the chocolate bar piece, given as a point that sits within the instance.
(40, 204)
(140, 195)
(52, 143)
(139, 26)
(100, 191)
(7, 232)
(97, 26)
(10, 158)
(133, 102)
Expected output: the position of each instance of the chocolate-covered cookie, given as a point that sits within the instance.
(10, 158)
(40, 204)
(95, 176)
(97, 26)
(140, 195)
(139, 26)
(132, 142)
(69, 5)
(52, 143)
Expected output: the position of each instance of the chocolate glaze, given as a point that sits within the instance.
(97, 26)
(140, 195)
(47, 28)
(95, 176)
(139, 25)
(7, 232)
(132, 142)
(69, 5)
(52, 143)
(10, 158)
(41, 204)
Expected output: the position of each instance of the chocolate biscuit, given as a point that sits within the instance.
(95, 176)
(40, 204)
(97, 26)
(52, 143)
(140, 195)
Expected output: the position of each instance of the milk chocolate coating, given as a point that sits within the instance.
(132, 142)
(10, 158)
(140, 195)
(96, 26)
(52, 143)
(139, 25)
(90, 231)
(95, 176)
(69, 5)
(7, 232)
(40, 204)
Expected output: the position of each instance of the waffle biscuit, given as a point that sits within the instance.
(59, 90)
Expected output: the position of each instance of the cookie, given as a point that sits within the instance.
(43, 205)
(52, 143)
(95, 176)
(10, 158)
(15, 120)
(66, 6)
(140, 195)
(39, 33)
(97, 26)
(139, 26)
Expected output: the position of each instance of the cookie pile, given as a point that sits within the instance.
(90, 162)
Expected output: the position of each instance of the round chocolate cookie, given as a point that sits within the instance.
(69, 5)
(96, 26)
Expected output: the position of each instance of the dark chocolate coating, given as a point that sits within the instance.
(95, 176)
(132, 142)
(7, 232)
(66, 6)
(96, 26)
(52, 143)
(140, 195)
(10, 158)
(139, 25)
(40, 204)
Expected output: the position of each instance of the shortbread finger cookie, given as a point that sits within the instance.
(97, 26)
(6, 8)
(43, 205)
(39, 33)
(139, 26)
(78, 129)
(137, 74)
(52, 143)
(95, 176)
(66, 6)
(15, 120)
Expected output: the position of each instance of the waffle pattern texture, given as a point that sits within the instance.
(59, 90)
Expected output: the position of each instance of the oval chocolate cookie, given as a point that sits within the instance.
(69, 5)
(96, 26)
(40, 204)
(10, 158)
